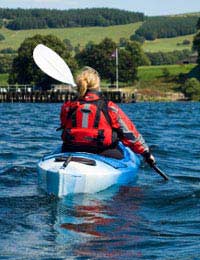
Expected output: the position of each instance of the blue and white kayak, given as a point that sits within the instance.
(79, 172)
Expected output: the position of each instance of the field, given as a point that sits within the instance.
(3, 79)
(168, 44)
(161, 82)
(80, 36)
(146, 73)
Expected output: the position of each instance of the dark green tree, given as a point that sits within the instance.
(1, 23)
(165, 72)
(191, 89)
(2, 37)
(122, 42)
(102, 58)
(167, 26)
(99, 56)
(196, 42)
(18, 19)
(8, 51)
(137, 38)
(77, 48)
(162, 58)
(196, 45)
(24, 70)
(137, 53)
(68, 44)
(186, 42)
(198, 24)
(127, 67)
(6, 63)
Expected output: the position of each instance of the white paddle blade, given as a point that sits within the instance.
(52, 64)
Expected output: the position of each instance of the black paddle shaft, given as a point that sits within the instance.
(156, 169)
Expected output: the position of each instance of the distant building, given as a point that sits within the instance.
(192, 59)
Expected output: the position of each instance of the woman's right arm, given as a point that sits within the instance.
(129, 136)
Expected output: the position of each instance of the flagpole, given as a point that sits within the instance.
(117, 71)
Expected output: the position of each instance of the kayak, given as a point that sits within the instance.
(80, 172)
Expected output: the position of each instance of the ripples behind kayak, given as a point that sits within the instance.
(149, 219)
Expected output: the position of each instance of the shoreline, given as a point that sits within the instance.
(117, 96)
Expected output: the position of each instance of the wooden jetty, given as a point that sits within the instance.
(28, 94)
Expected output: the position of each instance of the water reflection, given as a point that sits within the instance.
(103, 224)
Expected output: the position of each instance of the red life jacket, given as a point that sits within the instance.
(88, 125)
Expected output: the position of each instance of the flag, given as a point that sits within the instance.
(113, 55)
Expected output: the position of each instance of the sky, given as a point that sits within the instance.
(148, 7)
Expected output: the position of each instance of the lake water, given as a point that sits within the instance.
(149, 219)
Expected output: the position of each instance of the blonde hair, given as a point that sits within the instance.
(86, 80)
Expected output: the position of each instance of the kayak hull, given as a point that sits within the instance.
(78, 172)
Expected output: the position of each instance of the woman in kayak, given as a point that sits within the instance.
(92, 124)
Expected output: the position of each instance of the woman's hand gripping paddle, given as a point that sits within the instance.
(149, 158)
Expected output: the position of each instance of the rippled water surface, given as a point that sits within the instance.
(149, 219)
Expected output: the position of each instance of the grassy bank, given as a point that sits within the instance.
(154, 78)
(146, 73)
(155, 85)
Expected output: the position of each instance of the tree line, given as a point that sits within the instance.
(19, 19)
(100, 56)
(191, 85)
(196, 42)
(166, 27)
(168, 58)
(150, 58)
(6, 63)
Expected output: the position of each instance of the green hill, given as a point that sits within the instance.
(186, 14)
(81, 36)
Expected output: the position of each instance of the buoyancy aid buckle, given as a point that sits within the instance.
(101, 136)
(68, 136)
(99, 139)
(86, 110)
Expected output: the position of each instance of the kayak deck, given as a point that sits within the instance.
(78, 172)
